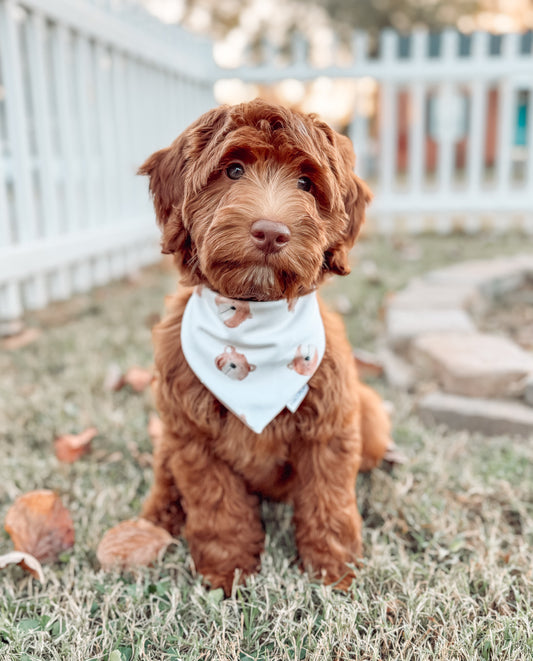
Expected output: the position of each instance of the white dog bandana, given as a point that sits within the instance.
(255, 357)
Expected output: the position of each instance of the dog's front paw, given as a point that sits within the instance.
(226, 580)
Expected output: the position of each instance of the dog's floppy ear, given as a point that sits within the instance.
(169, 179)
(166, 169)
(356, 195)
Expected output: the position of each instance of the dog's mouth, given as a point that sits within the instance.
(260, 279)
(239, 265)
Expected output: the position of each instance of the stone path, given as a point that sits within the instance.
(483, 382)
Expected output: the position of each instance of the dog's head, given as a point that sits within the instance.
(257, 201)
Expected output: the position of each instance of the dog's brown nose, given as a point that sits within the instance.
(269, 236)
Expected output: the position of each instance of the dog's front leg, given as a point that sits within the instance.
(223, 525)
(163, 505)
(326, 518)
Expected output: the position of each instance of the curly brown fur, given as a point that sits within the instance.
(210, 469)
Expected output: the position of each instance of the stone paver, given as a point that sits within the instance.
(398, 372)
(420, 294)
(492, 276)
(488, 416)
(528, 390)
(431, 335)
(405, 325)
(473, 364)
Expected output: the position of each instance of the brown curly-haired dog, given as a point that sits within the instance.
(260, 203)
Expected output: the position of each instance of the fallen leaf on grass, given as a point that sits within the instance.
(138, 378)
(70, 447)
(133, 543)
(25, 560)
(39, 524)
(114, 379)
(155, 429)
(22, 339)
(367, 363)
(394, 455)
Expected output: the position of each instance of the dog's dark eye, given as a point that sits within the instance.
(304, 183)
(235, 171)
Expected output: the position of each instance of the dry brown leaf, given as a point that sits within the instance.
(133, 543)
(155, 429)
(114, 379)
(138, 378)
(70, 447)
(25, 560)
(367, 363)
(394, 455)
(39, 524)
(22, 339)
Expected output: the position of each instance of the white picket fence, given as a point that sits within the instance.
(443, 131)
(446, 137)
(87, 92)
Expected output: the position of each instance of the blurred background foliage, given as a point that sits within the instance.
(248, 32)
(276, 20)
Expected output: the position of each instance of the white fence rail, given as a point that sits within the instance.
(86, 93)
(443, 127)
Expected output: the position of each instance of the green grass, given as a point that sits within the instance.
(448, 536)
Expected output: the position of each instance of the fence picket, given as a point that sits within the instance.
(46, 158)
(11, 300)
(507, 107)
(447, 95)
(388, 118)
(35, 292)
(84, 103)
(5, 229)
(417, 118)
(358, 130)
(477, 121)
(17, 122)
(529, 140)
(62, 61)
(105, 168)
(116, 80)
